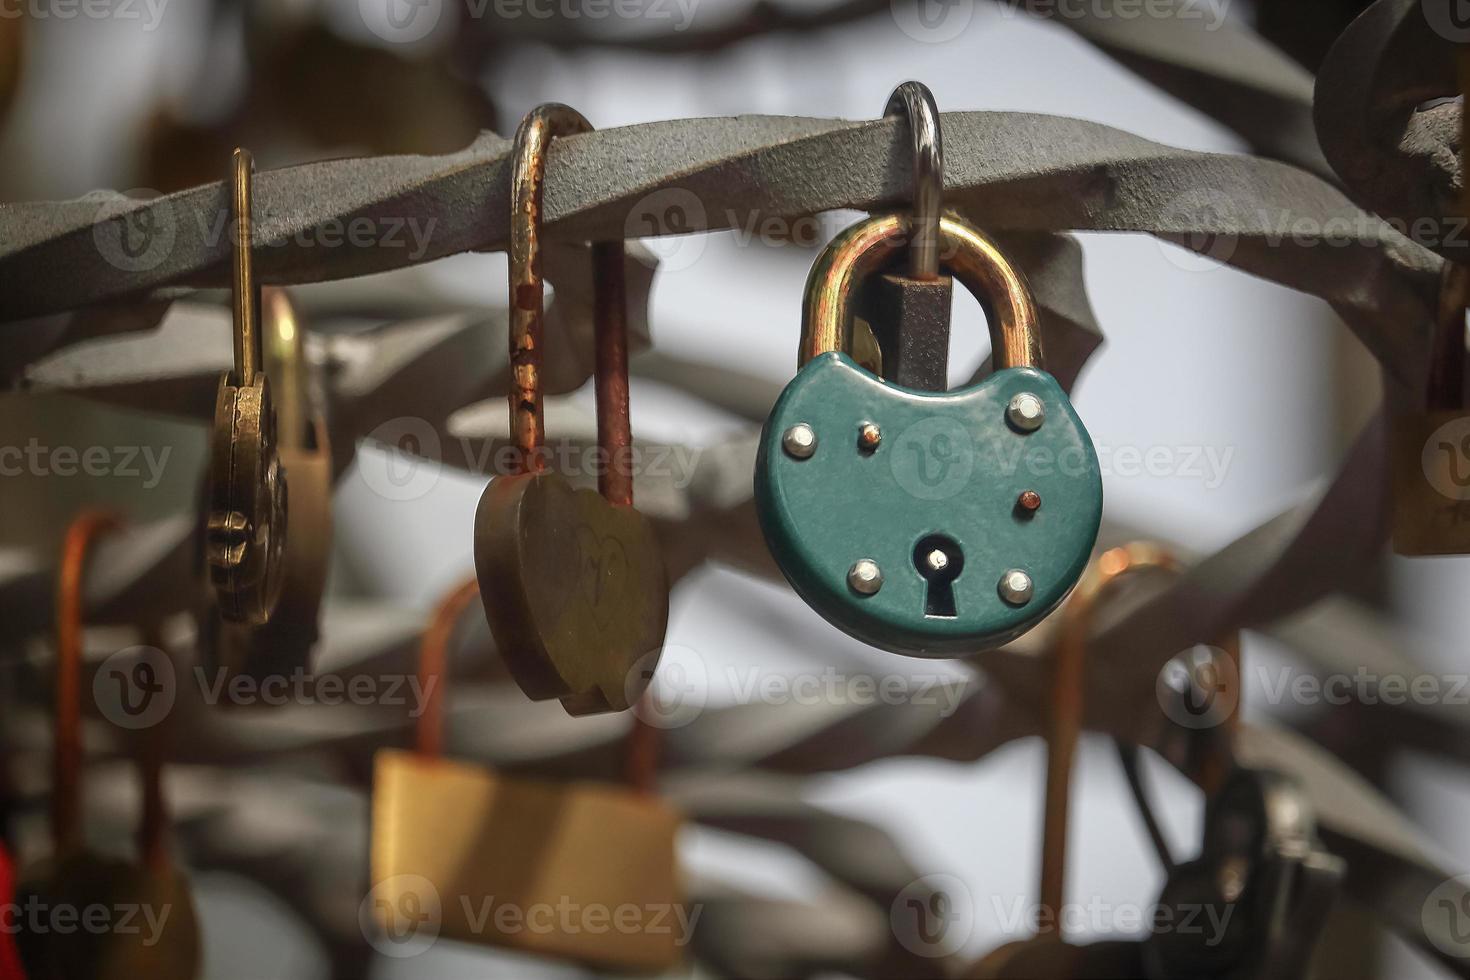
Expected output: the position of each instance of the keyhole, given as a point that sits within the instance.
(939, 561)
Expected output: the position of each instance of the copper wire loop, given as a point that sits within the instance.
(1069, 669)
(433, 666)
(527, 300)
(66, 791)
(870, 246)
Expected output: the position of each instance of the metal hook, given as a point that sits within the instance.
(915, 102)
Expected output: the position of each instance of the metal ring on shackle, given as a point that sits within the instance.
(914, 102)
(869, 246)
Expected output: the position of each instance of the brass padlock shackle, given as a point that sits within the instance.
(246, 307)
(66, 792)
(870, 245)
(527, 316)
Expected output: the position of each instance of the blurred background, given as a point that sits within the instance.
(1252, 391)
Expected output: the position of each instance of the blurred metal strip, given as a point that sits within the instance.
(1016, 171)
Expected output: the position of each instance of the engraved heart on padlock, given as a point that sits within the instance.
(575, 591)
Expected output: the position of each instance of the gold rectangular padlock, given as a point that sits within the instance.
(580, 871)
(1431, 448)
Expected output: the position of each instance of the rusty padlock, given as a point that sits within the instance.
(245, 532)
(77, 878)
(573, 582)
(536, 866)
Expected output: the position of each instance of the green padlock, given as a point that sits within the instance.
(928, 524)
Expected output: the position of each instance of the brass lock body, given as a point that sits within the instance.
(497, 856)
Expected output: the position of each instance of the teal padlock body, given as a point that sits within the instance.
(948, 473)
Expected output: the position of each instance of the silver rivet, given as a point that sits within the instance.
(936, 561)
(799, 441)
(869, 436)
(1015, 587)
(865, 577)
(1026, 412)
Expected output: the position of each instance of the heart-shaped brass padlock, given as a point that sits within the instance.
(153, 928)
(573, 581)
(575, 590)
